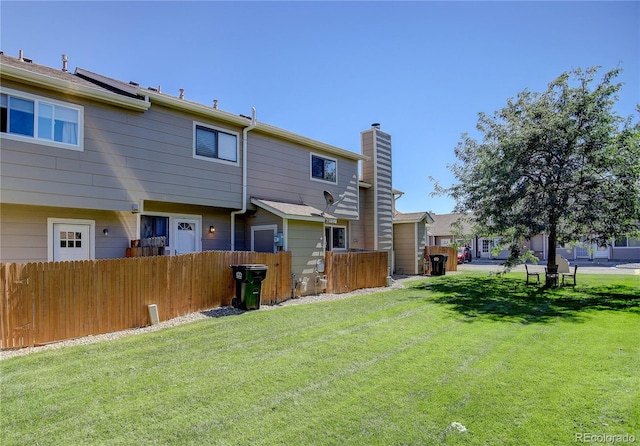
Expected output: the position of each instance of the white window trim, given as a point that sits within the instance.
(346, 238)
(321, 180)
(71, 221)
(46, 142)
(197, 124)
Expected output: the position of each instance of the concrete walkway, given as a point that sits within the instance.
(584, 266)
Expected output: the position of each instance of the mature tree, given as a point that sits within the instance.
(562, 162)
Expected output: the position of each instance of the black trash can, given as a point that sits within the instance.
(438, 264)
(248, 285)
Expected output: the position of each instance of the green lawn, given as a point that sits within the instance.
(508, 362)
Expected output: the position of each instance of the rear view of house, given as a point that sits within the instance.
(92, 165)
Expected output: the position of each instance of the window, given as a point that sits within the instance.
(335, 238)
(627, 242)
(50, 122)
(70, 239)
(213, 144)
(154, 226)
(324, 169)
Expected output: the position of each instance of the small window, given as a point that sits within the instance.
(324, 169)
(213, 144)
(45, 120)
(335, 238)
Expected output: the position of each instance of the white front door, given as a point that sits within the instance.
(71, 242)
(186, 235)
(601, 252)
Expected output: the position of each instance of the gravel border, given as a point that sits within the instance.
(192, 317)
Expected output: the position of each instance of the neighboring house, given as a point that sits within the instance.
(443, 233)
(451, 229)
(409, 240)
(90, 164)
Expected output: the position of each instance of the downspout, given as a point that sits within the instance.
(245, 131)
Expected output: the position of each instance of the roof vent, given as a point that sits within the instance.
(215, 104)
(135, 84)
(65, 59)
(375, 125)
(182, 93)
(21, 57)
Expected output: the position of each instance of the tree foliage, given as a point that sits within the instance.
(562, 162)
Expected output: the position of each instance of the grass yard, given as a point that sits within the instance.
(469, 359)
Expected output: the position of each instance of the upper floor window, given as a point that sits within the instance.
(211, 143)
(50, 122)
(323, 168)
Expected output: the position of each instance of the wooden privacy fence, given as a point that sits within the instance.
(49, 302)
(348, 271)
(452, 261)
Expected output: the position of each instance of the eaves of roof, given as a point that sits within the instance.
(214, 113)
(67, 83)
(292, 211)
(412, 217)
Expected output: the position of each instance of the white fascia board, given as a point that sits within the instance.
(50, 83)
(214, 113)
(193, 107)
(284, 216)
(312, 143)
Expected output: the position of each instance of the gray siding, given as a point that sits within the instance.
(23, 234)
(632, 253)
(377, 145)
(220, 240)
(281, 170)
(127, 157)
(409, 240)
(305, 243)
(404, 244)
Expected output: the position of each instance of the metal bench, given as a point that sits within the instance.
(531, 274)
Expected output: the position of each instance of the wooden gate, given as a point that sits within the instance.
(348, 271)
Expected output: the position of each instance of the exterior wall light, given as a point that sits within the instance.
(212, 229)
(105, 231)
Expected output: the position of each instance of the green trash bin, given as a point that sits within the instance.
(438, 264)
(248, 285)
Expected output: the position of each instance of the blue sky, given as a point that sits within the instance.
(328, 70)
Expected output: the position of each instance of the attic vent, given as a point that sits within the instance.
(152, 89)
(375, 125)
(135, 84)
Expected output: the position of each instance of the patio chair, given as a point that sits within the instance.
(532, 274)
(570, 275)
(563, 265)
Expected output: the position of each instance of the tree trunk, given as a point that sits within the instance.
(552, 266)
